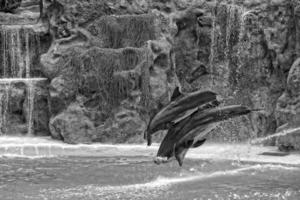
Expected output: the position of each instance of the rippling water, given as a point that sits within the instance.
(91, 178)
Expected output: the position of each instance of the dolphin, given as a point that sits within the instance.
(191, 132)
(180, 105)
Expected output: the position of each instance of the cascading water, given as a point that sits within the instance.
(19, 44)
(30, 96)
(225, 60)
(213, 46)
(226, 28)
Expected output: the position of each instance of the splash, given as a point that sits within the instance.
(281, 133)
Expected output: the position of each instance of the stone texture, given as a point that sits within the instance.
(107, 81)
(14, 101)
(288, 110)
(125, 30)
(120, 73)
(125, 126)
(9, 5)
(120, 61)
(291, 141)
(288, 105)
(73, 126)
(12, 98)
(248, 48)
(19, 12)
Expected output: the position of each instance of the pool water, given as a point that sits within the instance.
(137, 177)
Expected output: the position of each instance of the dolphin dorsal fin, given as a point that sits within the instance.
(176, 94)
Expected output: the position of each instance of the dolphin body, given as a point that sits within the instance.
(179, 106)
(191, 131)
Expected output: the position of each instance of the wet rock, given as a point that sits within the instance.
(18, 108)
(62, 91)
(125, 126)
(17, 97)
(40, 113)
(288, 110)
(288, 142)
(85, 12)
(72, 125)
(192, 44)
(288, 105)
(124, 30)
(9, 5)
(163, 78)
(12, 98)
(293, 80)
(241, 54)
(240, 49)
(102, 79)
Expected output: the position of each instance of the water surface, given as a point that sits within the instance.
(137, 177)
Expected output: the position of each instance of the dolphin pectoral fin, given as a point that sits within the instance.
(199, 143)
(176, 94)
(149, 140)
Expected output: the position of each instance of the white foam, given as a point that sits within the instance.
(36, 147)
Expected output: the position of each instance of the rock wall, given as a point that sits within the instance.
(288, 109)
(112, 64)
(106, 81)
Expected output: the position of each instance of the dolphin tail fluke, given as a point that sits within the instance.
(181, 150)
(180, 155)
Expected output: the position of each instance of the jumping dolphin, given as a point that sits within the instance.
(180, 104)
(191, 132)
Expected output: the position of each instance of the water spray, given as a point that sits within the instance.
(278, 134)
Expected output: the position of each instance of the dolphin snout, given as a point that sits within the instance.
(158, 160)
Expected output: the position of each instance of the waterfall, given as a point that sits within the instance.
(233, 42)
(30, 96)
(226, 28)
(27, 56)
(213, 46)
(18, 45)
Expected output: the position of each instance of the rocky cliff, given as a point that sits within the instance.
(112, 64)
